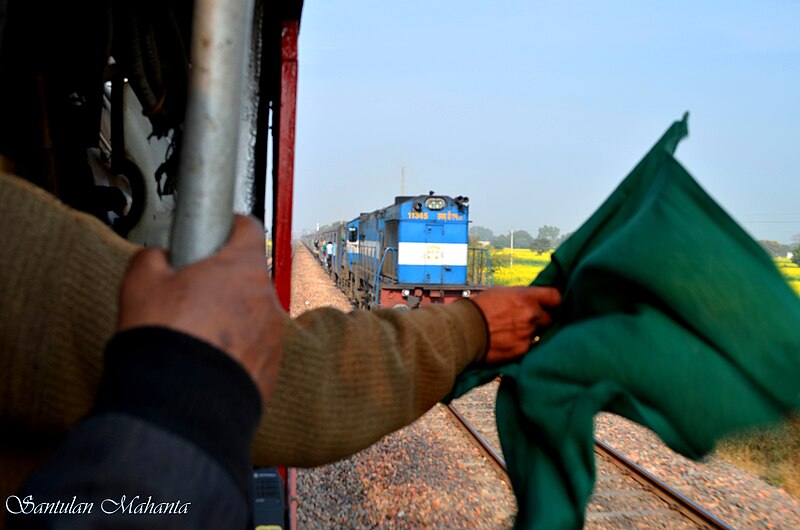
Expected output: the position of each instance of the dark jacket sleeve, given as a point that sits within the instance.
(166, 446)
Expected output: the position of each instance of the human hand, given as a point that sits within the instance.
(515, 315)
(226, 300)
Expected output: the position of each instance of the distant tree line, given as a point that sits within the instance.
(547, 238)
(779, 250)
(775, 249)
(550, 237)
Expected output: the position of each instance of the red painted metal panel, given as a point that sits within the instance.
(282, 203)
(282, 228)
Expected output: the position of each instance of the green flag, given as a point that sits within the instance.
(672, 316)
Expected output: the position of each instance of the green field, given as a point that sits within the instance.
(791, 271)
(527, 264)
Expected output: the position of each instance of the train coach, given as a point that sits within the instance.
(412, 252)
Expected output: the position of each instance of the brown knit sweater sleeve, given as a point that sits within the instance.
(347, 380)
(60, 273)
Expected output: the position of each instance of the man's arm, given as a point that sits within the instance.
(52, 352)
(60, 274)
(347, 380)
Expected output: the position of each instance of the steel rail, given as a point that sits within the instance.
(669, 495)
(673, 498)
(494, 457)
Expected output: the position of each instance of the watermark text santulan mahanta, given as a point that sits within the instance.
(133, 506)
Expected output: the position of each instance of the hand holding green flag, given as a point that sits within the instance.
(671, 316)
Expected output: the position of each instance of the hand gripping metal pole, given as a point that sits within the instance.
(207, 176)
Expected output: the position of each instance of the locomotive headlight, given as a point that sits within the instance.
(405, 293)
(435, 203)
(465, 293)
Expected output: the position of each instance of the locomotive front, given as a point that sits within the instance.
(410, 253)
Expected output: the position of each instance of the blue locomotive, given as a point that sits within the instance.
(412, 252)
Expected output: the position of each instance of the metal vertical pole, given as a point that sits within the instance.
(207, 176)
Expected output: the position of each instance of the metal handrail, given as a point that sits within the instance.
(481, 265)
(207, 175)
(375, 290)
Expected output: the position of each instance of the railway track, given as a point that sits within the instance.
(455, 467)
(625, 496)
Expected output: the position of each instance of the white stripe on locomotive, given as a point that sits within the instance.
(452, 254)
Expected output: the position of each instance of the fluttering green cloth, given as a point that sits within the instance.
(672, 316)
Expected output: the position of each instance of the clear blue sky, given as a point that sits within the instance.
(536, 110)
